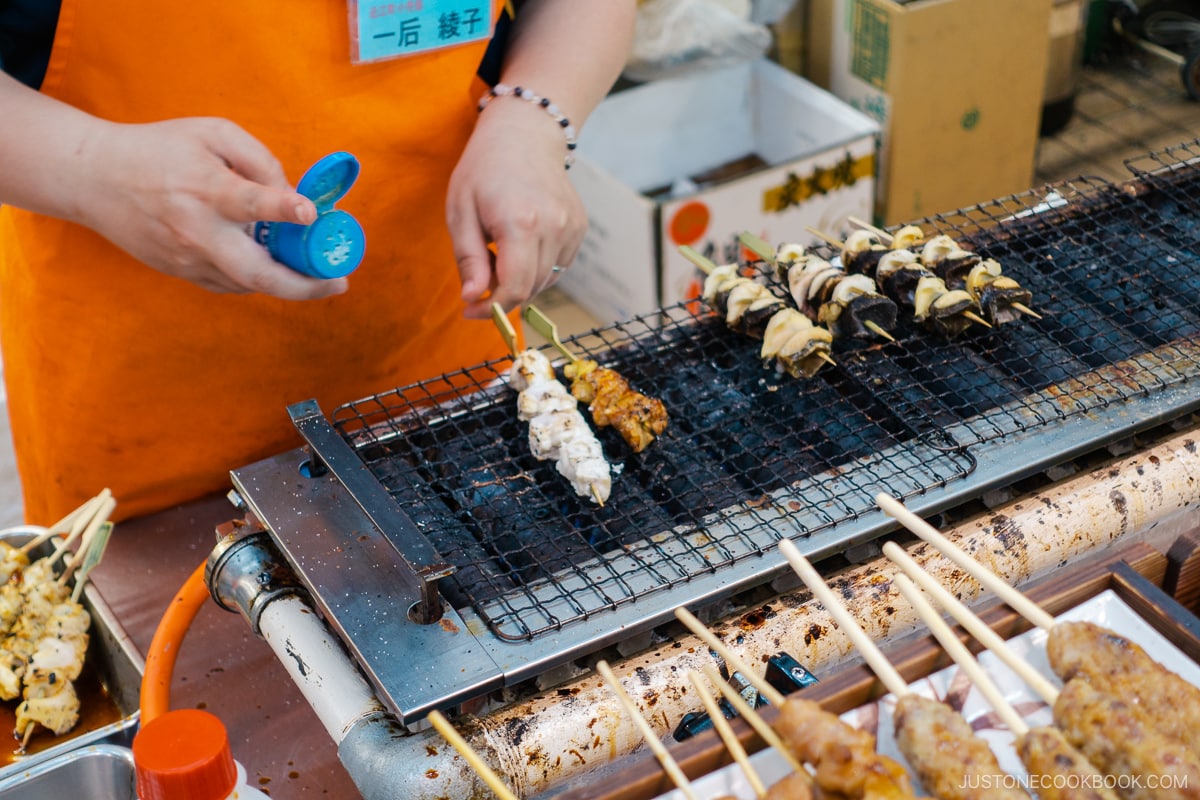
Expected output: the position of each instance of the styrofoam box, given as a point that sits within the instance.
(819, 156)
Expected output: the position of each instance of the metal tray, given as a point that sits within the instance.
(106, 770)
(118, 665)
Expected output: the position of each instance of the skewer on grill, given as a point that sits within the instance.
(789, 339)
(939, 744)
(843, 757)
(652, 741)
(609, 397)
(1000, 297)
(451, 735)
(1060, 770)
(728, 737)
(906, 281)
(849, 305)
(1110, 661)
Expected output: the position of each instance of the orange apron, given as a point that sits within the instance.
(121, 377)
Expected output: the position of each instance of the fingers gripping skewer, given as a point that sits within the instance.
(961, 655)
(728, 737)
(652, 741)
(990, 580)
(973, 624)
(477, 763)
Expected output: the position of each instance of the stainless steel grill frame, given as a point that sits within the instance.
(429, 491)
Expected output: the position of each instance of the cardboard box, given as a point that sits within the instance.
(792, 155)
(957, 88)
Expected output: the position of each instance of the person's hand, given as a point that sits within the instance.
(179, 196)
(510, 188)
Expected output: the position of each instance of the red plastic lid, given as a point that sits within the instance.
(184, 755)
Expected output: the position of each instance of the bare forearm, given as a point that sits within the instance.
(571, 51)
(42, 151)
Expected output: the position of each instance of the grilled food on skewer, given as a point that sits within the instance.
(1063, 772)
(1120, 668)
(612, 401)
(946, 311)
(1116, 736)
(938, 743)
(848, 305)
(790, 340)
(610, 398)
(557, 431)
(1001, 298)
(843, 757)
(948, 260)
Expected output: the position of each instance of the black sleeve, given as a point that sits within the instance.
(26, 36)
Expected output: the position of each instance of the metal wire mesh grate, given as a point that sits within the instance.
(751, 456)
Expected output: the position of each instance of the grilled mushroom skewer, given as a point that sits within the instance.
(1000, 297)
(789, 339)
(940, 745)
(849, 305)
(942, 310)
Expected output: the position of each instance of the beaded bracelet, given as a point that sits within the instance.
(528, 95)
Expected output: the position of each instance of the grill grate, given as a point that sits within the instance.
(750, 456)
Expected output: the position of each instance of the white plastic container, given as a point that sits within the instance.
(184, 755)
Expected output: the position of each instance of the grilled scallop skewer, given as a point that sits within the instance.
(945, 311)
(1110, 662)
(609, 397)
(790, 340)
(1061, 772)
(848, 305)
(939, 744)
(1000, 297)
(557, 431)
(843, 757)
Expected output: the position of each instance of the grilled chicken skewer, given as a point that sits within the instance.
(1109, 661)
(609, 397)
(945, 311)
(1058, 769)
(938, 743)
(557, 431)
(789, 339)
(1000, 297)
(843, 757)
(848, 305)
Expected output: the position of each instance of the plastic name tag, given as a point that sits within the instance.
(381, 30)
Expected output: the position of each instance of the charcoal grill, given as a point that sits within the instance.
(452, 563)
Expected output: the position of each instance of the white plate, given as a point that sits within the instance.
(1105, 609)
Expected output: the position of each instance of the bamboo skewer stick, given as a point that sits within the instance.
(66, 524)
(85, 539)
(829, 240)
(874, 657)
(477, 763)
(735, 662)
(752, 717)
(652, 741)
(866, 226)
(543, 325)
(505, 327)
(961, 656)
(728, 737)
(1041, 686)
(990, 580)
(1024, 309)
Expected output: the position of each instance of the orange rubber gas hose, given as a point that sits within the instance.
(164, 647)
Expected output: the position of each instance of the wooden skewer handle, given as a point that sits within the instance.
(728, 737)
(752, 717)
(652, 741)
(961, 655)
(773, 695)
(870, 651)
(1041, 686)
(448, 732)
(990, 580)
